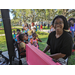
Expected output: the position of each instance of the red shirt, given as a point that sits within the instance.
(41, 27)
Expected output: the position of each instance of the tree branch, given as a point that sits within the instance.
(70, 12)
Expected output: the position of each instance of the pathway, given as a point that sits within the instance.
(45, 30)
(23, 59)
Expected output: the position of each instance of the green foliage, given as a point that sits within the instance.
(33, 15)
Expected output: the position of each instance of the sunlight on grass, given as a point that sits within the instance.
(3, 45)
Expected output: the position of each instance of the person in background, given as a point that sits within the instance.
(36, 26)
(18, 33)
(33, 27)
(52, 28)
(22, 31)
(30, 33)
(22, 45)
(14, 37)
(26, 37)
(48, 25)
(73, 45)
(34, 40)
(44, 25)
(72, 28)
(41, 27)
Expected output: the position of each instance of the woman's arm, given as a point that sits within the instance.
(57, 55)
(46, 49)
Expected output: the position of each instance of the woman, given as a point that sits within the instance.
(59, 42)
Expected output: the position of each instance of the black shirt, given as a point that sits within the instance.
(63, 44)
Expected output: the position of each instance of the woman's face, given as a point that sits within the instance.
(72, 22)
(58, 24)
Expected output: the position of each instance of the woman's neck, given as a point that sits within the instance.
(59, 32)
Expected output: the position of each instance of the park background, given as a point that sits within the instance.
(18, 17)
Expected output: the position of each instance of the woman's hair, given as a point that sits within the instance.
(64, 20)
(72, 19)
(69, 24)
(21, 37)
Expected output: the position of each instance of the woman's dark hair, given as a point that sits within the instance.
(64, 20)
(69, 24)
(21, 37)
(72, 19)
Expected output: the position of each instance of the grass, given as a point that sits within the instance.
(3, 45)
(43, 36)
(16, 27)
(2, 31)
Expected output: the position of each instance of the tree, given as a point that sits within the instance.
(41, 15)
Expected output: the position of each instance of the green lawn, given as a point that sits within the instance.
(43, 36)
(3, 45)
(2, 31)
(16, 27)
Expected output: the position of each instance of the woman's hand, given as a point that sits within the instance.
(57, 55)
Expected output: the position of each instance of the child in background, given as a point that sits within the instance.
(14, 35)
(26, 30)
(22, 37)
(26, 38)
(30, 33)
(22, 31)
(34, 40)
(18, 33)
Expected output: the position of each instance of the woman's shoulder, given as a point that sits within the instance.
(67, 35)
(52, 33)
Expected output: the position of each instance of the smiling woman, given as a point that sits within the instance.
(60, 42)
